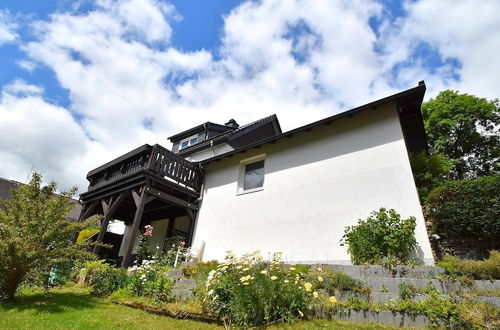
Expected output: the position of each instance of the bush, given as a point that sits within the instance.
(103, 278)
(333, 282)
(479, 270)
(200, 269)
(467, 208)
(34, 238)
(249, 292)
(152, 282)
(383, 234)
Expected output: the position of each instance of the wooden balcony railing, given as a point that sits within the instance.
(155, 160)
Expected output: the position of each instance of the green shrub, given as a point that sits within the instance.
(479, 270)
(86, 234)
(248, 292)
(467, 208)
(151, 282)
(121, 295)
(103, 278)
(333, 281)
(383, 234)
(200, 269)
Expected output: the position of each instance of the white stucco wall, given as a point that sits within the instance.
(210, 152)
(316, 183)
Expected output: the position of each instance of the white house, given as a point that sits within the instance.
(243, 188)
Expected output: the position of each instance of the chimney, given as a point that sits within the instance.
(232, 123)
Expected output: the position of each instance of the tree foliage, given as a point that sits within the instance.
(466, 208)
(429, 171)
(464, 128)
(34, 238)
(382, 235)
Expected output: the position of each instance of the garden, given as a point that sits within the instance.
(50, 279)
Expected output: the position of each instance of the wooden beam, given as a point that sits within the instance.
(108, 212)
(84, 214)
(137, 196)
(100, 236)
(114, 205)
(171, 199)
(192, 225)
(129, 244)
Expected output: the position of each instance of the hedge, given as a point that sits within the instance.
(466, 208)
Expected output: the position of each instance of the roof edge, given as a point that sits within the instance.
(419, 92)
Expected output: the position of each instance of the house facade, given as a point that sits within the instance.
(265, 189)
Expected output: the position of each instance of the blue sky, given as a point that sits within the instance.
(87, 80)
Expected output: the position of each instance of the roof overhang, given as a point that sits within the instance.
(408, 104)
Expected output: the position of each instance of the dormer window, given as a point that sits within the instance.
(187, 142)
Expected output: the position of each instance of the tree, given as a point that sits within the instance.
(464, 128)
(34, 238)
(429, 171)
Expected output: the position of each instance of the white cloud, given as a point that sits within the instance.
(37, 136)
(465, 30)
(7, 27)
(301, 59)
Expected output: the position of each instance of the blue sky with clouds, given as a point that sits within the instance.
(84, 81)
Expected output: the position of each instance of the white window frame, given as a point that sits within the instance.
(241, 174)
(188, 140)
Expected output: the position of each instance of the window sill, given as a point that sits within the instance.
(249, 191)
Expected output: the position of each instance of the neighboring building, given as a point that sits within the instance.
(6, 186)
(243, 188)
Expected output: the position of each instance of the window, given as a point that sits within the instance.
(192, 140)
(251, 175)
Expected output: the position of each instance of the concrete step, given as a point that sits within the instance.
(185, 284)
(175, 274)
(381, 271)
(384, 297)
(395, 319)
(391, 285)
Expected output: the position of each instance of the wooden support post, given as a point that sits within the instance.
(129, 245)
(109, 208)
(192, 223)
(102, 232)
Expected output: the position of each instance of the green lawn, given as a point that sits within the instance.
(74, 308)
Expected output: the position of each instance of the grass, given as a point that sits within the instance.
(74, 308)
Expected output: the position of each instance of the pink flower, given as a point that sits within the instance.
(148, 230)
(182, 243)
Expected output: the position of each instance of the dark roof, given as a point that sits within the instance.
(409, 102)
(199, 128)
(6, 186)
(245, 128)
(236, 135)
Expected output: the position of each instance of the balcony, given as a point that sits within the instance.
(155, 161)
(147, 184)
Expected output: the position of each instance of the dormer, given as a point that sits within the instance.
(199, 134)
(209, 139)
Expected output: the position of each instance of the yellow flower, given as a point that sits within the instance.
(292, 268)
(308, 286)
(239, 267)
(301, 314)
(315, 294)
(319, 269)
(263, 272)
(286, 281)
(245, 278)
(274, 278)
(333, 300)
(245, 269)
(320, 278)
(246, 283)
